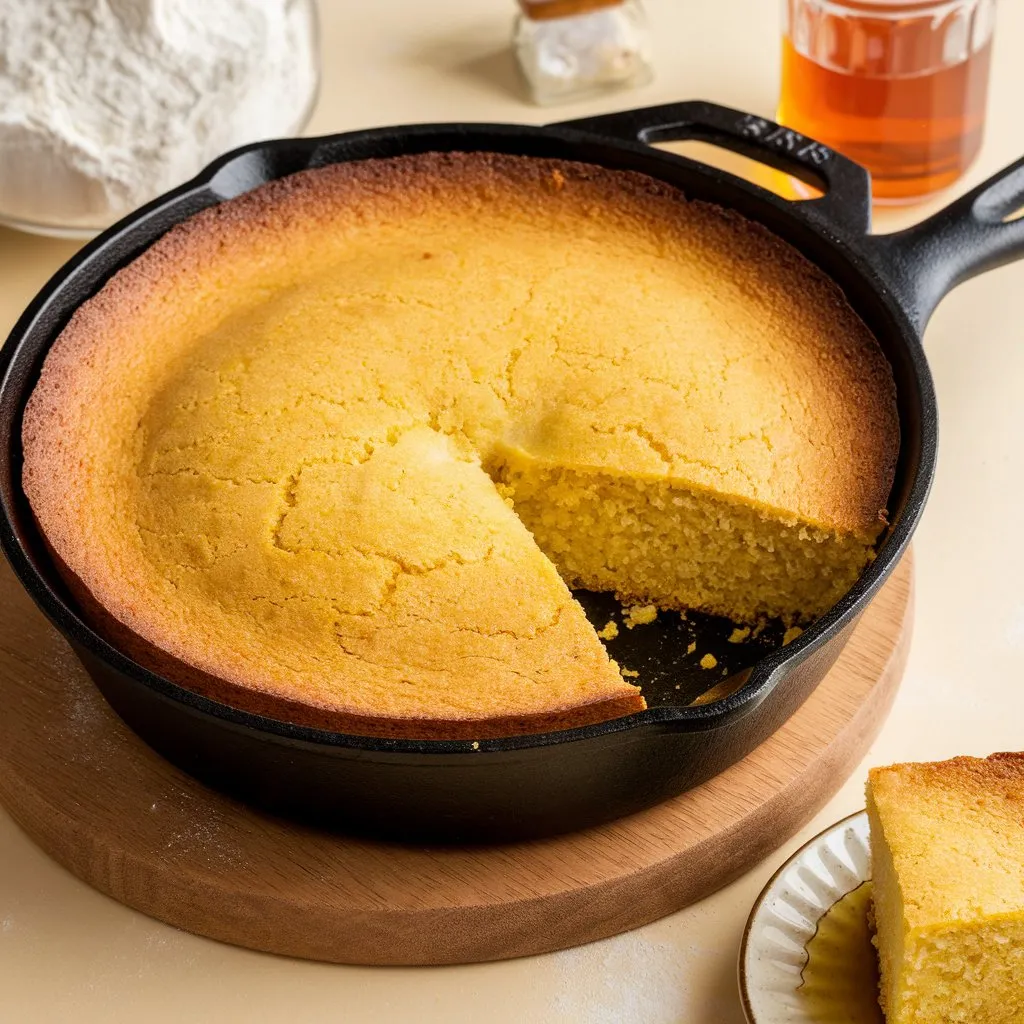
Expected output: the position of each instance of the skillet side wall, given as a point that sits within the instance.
(505, 795)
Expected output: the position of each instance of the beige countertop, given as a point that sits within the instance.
(70, 954)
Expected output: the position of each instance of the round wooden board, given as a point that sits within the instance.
(100, 802)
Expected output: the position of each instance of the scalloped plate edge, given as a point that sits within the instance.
(785, 918)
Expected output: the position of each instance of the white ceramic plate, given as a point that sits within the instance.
(785, 918)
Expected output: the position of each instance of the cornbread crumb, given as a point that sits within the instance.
(629, 673)
(476, 744)
(691, 647)
(640, 615)
(790, 635)
(708, 661)
(610, 631)
(739, 634)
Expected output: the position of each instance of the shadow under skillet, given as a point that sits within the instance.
(670, 653)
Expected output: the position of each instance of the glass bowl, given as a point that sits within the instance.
(86, 227)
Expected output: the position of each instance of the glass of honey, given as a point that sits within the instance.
(900, 87)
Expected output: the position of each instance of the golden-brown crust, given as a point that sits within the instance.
(241, 237)
(1001, 773)
(948, 837)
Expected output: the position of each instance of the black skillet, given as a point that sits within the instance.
(535, 785)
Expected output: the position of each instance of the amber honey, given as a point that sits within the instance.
(546, 10)
(899, 87)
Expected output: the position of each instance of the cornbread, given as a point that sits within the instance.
(332, 450)
(640, 615)
(947, 845)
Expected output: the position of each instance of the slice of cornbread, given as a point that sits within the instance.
(947, 844)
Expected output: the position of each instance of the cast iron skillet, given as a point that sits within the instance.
(535, 785)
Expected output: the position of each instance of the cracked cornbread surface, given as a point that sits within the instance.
(947, 844)
(323, 450)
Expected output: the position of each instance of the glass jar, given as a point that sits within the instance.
(900, 87)
(570, 49)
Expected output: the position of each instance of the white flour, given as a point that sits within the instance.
(106, 103)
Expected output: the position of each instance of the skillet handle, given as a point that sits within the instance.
(975, 233)
(847, 186)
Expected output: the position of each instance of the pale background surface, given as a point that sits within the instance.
(70, 954)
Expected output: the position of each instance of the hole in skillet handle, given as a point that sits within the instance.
(846, 205)
(979, 231)
(1002, 201)
(781, 183)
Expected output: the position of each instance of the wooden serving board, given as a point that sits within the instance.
(100, 802)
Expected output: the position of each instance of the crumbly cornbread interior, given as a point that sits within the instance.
(947, 845)
(324, 450)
